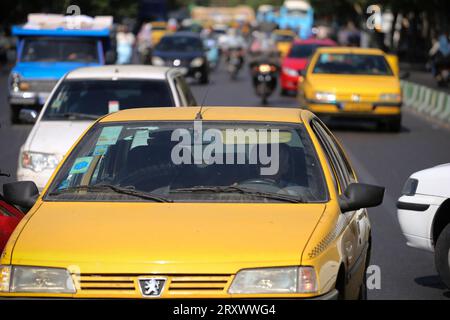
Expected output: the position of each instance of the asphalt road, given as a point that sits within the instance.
(380, 158)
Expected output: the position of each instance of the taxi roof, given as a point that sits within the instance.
(353, 50)
(119, 72)
(257, 114)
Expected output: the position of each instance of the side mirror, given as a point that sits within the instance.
(28, 115)
(359, 195)
(404, 75)
(21, 193)
(110, 57)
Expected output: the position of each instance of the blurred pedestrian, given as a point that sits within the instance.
(125, 42)
(144, 43)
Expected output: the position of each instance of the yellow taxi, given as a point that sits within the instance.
(353, 83)
(159, 30)
(218, 202)
(283, 39)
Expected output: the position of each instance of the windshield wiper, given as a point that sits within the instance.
(74, 115)
(116, 189)
(237, 189)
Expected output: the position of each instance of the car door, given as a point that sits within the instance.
(355, 238)
(9, 218)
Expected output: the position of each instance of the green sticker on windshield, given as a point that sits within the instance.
(109, 136)
(81, 165)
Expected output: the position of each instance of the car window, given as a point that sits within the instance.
(344, 177)
(357, 64)
(100, 97)
(302, 50)
(165, 157)
(180, 43)
(184, 90)
(47, 49)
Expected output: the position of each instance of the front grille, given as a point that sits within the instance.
(123, 285)
(41, 85)
(198, 284)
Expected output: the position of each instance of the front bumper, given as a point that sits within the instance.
(415, 215)
(369, 110)
(26, 98)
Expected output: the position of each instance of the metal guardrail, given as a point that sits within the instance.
(423, 99)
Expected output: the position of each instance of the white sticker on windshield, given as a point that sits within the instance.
(140, 138)
(109, 136)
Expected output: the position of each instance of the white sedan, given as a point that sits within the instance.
(82, 96)
(424, 215)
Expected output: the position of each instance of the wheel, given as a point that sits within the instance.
(442, 255)
(15, 111)
(394, 124)
(284, 92)
(204, 79)
(363, 288)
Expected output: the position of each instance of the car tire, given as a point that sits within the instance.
(14, 115)
(204, 79)
(363, 288)
(442, 255)
(394, 124)
(283, 92)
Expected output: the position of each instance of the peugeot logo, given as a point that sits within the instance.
(176, 62)
(356, 97)
(152, 287)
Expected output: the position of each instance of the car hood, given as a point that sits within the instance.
(354, 84)
(295, 63)
(432, 180)
(166, 237)
(47, 70)
(55, 136)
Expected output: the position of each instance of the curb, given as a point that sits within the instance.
(422, 99)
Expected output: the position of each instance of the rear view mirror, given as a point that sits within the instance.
(22, 193)
(358, 196)
(28, 115)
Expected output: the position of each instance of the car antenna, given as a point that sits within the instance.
(199, 113)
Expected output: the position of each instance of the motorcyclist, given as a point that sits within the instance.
(440, 57)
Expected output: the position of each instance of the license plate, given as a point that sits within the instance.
(358, 107)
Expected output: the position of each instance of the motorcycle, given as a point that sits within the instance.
(235, 60)
(265, 78)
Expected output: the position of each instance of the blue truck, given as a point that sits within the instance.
(45, 55)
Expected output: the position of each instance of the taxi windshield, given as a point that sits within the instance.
(194, 161)
(357, 64)
(78, 99)
(47, 49)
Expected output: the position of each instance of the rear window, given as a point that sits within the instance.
(302, 50)
(79, 99)
(357, 64)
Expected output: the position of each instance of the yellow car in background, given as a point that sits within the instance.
(150, 203)
(159, 30)
(353, 83)
(283, 39)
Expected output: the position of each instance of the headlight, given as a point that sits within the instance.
(325, 96)
(39, 161)
(410, 187)
(290, 72)
(274, 280)
(197, 62)
(35, 279)
(157, 61)
(395, 97)
(14, 81)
